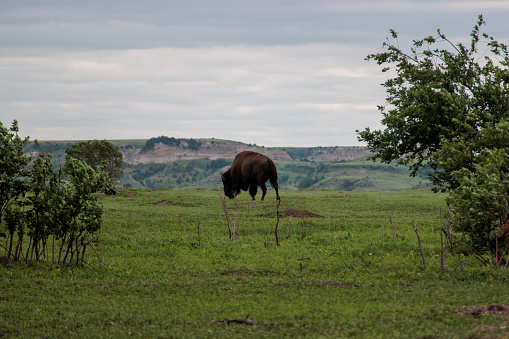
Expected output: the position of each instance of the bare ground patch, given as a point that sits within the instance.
(291, 212)
(494, 310)
(500, 330)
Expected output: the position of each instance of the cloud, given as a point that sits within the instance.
(275, 73)
(415, 6)
(226, 92)
(131, 24)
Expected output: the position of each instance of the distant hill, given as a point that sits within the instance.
(167, 162)
(167, 150)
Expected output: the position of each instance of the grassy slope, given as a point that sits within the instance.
(165, 278)
(358, 175)
(355, 175)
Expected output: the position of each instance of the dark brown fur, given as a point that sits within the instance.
(248, 171)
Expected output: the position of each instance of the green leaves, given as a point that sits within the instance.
(480, 198)
(447, 110)
(37, 202)
(98, 153)
(437, 95)
(12, 165)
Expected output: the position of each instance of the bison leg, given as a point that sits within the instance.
(252, 191)
(264, 190)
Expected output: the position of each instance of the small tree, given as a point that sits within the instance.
(97, 152)
(13, 164)
(80, 206)
(439, 94)
(40, 209)
(65, 212)
(37, 204)
(481, 199)
(448, 110)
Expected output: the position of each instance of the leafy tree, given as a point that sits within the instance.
(150, 144)
(439, 94)
(35, 202)
(68, 212)
(192, 144)
(306, 182)
(481, 199)
(219, 163)
(13, 164)
(39, 216)
(80, 206)
(97, 152)
(448, 113)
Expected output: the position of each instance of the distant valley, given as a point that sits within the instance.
(167, 162)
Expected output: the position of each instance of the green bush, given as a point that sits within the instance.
(13, 164)
(447, 114)
(98, 152)
(57, 216)
(481, 202)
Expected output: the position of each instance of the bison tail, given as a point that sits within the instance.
(273, 174)
(273, 179)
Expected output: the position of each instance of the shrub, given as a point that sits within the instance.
(13, 164)
(37, 203)
(481, 203)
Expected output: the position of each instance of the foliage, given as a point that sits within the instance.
(481, 200)
(13, 164)
(439, 95)
(81, 207)
(191, 144)
(66, 213)
(97, 152)
(448, 112)
(162, 278)
(38, 215)
(306, 182)
(38, 204)
(218, 164)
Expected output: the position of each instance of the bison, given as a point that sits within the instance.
(248, 171)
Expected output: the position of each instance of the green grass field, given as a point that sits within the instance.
(168, 269)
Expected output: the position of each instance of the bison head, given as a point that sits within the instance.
(228, 185)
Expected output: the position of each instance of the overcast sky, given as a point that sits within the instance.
(273, 73)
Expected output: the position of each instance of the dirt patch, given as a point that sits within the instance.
(164, 202)
(290, 212)
(244, 320)
(494, 310)
(499, 330)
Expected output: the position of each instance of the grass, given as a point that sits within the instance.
(170, 270)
